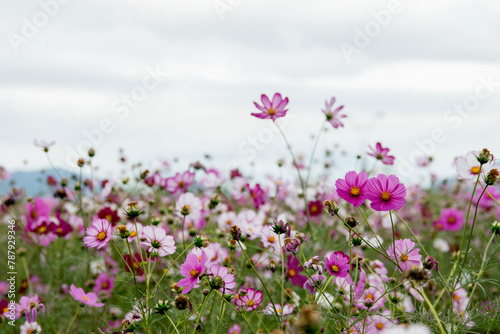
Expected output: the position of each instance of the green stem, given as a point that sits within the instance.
(73, 320)
(282, 278)
(201, 312)
(314, 151)
(168, 269)
(175, 327)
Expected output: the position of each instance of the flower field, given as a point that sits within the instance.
(206, 250)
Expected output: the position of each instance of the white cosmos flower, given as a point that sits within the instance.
(441, 245)
(468, 167)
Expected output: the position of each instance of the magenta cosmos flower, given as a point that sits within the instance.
(192, 269)
(99, 234)
(234, 329)
(338, 264)
(353, 188)
(89, 299)
(271, 109)
(381, 153)
(250, 301)
(158, 241)
(407, 256)
(220, 273)
(293, 270)
(386, 193)
(450, 220)
(333, 116)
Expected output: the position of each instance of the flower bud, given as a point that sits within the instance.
(368, 302)
(201, 241)
(291, 245)
(484, 156)
(351, 222)
(133, 210)
(235, 232)
(331, 207)
(431, 263)
(495, 228)
(214, 201)
(182, 302)
(123, 231)
(162, 307)
(492, 177)
(217, 283)
(91, 152)
(80, 162)
(185, 210)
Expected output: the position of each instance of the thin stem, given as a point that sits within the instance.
(238, 312)
(201, 312)
(73, 320)
(313, 151)
(175, 327)
(282, 277)
(433, 311)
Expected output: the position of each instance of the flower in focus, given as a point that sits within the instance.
(293, 270)
(333, 116)
(338, 264)
(158, 241)
(221, 279)
(89, 299)
(99, 234)
(382, 154)
(450, 220)
(386, 193)
(406, 255)
(469, 167)
(354, 188)
(192, 269)
(248, 301)
(271, 109)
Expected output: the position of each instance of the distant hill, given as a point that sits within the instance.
(33, 182)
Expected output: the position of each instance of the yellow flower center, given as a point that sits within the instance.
(456, 297)
(355, 191)
(101, 236)
(194, 273)
(404, 257)
(133, 234)
(228, 222)
(314, 209)
(451, 220)
(181, 184)
(271, 111)
(385, 196)
(278, 310)
(109, 218)
(105, 285)
(369, 296)
(475, 170)
(85, 297)
(250, 302)
(271, 239)
(335, 269)
(291, 273)
(59, 230)
(379, 325)
(42, 229)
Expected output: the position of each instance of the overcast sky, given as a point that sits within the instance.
(402, 69)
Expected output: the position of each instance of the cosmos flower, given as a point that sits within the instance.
(379, 323)
(406, 254)
(338, 264)
(234, 329)
(192, 269)
(188, 205)
(386, 193)
(158, 241)
(103, 284)
(89, 299)
(354, 188)
(30, 328)
(287, 309)
(99, 234)
(271, 109)
(333, 116)
(450, 220)
(179, 183)
(257, 194)
(109, 214)
(221, 276)
(382, 154)
(249, 301)
(315, 208)
(293, 270)
(312, 283)
(468, 167)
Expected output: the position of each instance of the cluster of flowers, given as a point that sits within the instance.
(278, 255)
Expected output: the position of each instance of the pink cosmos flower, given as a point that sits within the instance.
(382, 154)
(103, 284)
(293, 270)
(338, 264)
(386, 193)
(189, 202)
(27, 303)
(192, 269)
(99, 234)
(333, 116)
(38, 209)
(30, 328)
(450, 220)
(373, 293)
(354, 188)
(271, 109)
(468, 167)
(250, 301)
(179, 183)
(406, 254)
(158, 241)
(79, 295)
(234, 329)
(228, 279)
(378, 323)
(257, 194)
